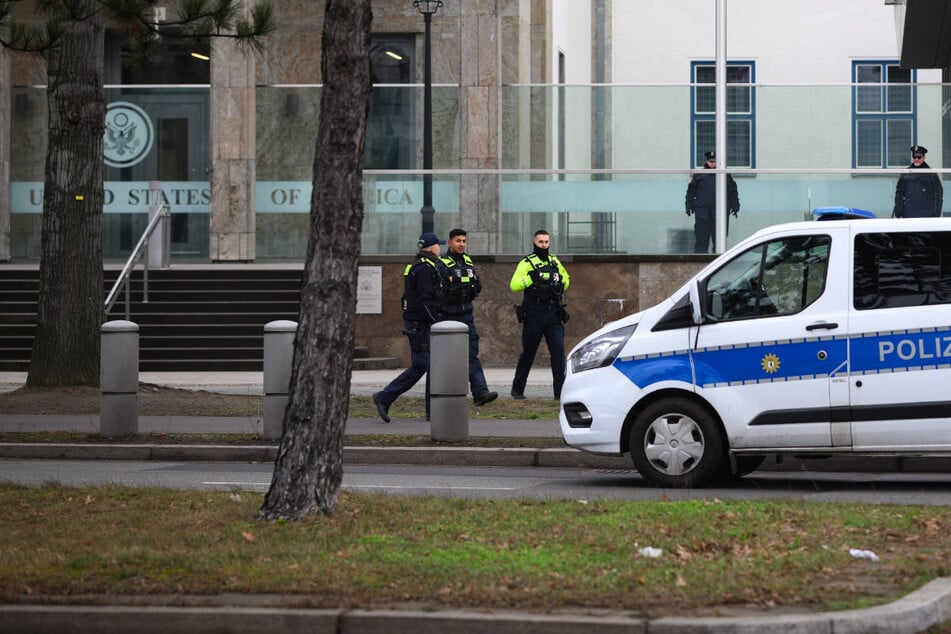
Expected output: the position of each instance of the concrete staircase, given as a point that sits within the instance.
(198, 318)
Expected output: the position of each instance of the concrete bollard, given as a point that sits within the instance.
(119, 378)
(278, 359)
(449, 381)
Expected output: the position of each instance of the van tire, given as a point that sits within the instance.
(676, 443)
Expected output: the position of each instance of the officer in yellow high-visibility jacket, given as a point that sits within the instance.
(543, 280)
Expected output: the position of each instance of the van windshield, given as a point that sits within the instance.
(779, 277)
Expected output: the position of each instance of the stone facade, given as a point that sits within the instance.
(233, 154)
(602, 289)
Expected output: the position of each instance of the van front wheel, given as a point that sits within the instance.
(676, 443)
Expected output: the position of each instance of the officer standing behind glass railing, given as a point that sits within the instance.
(918, 195)
(701, 202)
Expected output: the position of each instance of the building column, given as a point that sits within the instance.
(480, 110)
(232, 224)
(5, 81)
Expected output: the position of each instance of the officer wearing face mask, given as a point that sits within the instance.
(542, 280)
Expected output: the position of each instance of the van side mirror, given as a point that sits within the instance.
(695, 307)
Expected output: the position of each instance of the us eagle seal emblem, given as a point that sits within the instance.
(129, 134)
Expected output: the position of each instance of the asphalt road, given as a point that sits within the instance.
(493, 482)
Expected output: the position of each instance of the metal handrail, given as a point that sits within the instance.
(141, 249)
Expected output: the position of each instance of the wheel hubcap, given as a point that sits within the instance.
(674, 444)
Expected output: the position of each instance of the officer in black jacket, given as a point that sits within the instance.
(918, 195)
(701, 201)
(462, 286)
(422, 307)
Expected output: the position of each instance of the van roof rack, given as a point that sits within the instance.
(840, 213)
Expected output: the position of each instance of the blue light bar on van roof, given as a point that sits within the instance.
(840, 213)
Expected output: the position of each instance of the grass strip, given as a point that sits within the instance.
(377, 551)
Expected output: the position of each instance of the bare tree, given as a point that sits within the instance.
(71, 38)
(309, 465)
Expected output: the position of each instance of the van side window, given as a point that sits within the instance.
(780, 277)
(893, 270)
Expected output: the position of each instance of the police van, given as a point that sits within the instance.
(808, 339)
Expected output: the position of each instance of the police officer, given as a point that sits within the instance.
(701, 201)
(918, 195)
(422, 305)
(543, 280)
(462, 285)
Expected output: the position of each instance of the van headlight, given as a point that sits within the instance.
(601, 351)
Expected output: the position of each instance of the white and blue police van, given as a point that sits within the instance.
(806, 339)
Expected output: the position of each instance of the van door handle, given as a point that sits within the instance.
(823, 326)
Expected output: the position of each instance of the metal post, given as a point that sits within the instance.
(428, 212)
(721, 123)
(157, 256)
(119, 378)
(449, 381)
(278, 359)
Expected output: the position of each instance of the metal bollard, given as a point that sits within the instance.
(449, 381)
(119, 378)
(158, 245)
(278, 358)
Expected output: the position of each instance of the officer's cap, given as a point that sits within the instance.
(710, 156)
(918, 150)
(428, 240)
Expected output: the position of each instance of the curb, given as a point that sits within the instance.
(928, 606)
(443, 456)
(550, 457)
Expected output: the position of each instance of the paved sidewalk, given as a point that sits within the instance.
(362, 382)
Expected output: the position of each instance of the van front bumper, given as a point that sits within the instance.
(594, 405)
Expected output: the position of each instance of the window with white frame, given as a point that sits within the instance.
(883, 114)
(740, 108)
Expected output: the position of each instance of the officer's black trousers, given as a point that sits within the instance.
(541, 320)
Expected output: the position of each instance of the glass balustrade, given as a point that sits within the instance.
(603, 168)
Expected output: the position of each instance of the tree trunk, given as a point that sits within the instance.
(70, 307)
(309, 466)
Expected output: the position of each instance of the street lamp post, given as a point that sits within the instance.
(427, 8)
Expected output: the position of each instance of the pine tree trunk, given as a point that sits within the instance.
(70, 306)
(309, 466)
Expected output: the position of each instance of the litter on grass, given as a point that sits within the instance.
(863, 554)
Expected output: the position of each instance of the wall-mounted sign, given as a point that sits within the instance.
(369, 290)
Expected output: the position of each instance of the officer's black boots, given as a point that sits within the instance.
(487, 397)
(381, 409)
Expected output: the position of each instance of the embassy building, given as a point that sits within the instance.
(582, 118)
